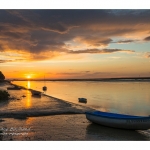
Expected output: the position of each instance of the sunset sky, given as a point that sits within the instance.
(77, 43)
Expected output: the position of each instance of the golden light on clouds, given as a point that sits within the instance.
(94, 44)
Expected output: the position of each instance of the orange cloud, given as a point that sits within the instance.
(147, 38)
(43, 34)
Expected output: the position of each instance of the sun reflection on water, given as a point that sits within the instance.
(28, 85)
(29, 121)
(28, 101)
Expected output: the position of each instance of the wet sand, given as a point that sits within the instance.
(50, 119)
(64, 128)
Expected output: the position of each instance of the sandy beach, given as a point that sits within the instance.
(29, 118)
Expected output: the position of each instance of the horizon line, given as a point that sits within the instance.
(76, 79)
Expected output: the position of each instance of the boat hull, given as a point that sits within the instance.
(82, 100)
(13, 88)
(36, 93)
(141, 123)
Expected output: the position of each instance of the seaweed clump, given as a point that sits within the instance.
(4, 95)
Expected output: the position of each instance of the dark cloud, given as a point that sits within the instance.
(84, 74)
(147, 38)
(94, 40)
(68, 73)
(125, 41)
(98, 51)
(41, 31)
(101, 73)
(4, 61)
(86, 71)
(1, 47)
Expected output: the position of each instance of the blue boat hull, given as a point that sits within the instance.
(119, 120)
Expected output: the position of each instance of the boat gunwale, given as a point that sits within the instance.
(129, 117)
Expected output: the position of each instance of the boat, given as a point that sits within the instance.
(44, 87)
(82, 100)
(36, 93)
(14, 88)
(121, 121)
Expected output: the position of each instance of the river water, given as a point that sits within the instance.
(125, 97)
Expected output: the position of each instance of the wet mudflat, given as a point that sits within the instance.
(65, 128)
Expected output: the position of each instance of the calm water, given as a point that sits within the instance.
(120, 97)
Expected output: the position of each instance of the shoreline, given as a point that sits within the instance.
(66, 108)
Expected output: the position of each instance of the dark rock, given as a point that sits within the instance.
(23, 96)
(21, 117)
(4, 95)
(1, 120)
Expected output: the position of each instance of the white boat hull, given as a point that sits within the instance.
(134, 124)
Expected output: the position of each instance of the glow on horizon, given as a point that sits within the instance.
(28, 76)
(104, 44)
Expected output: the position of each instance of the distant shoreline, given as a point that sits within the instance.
(92, 79)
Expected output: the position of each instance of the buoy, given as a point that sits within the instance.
(44, 88)
(82, 100)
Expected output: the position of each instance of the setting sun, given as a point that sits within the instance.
(28, 76)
